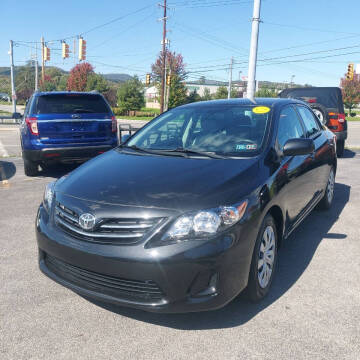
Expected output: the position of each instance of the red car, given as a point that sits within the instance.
(327, 104)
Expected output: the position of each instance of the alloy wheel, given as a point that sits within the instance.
(330, 186)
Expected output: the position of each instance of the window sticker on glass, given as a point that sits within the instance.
(242, 147)
(261, 110)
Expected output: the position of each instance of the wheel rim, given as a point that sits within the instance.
(330, 186)
(319, 115)
(266, 257)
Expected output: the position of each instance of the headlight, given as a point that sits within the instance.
(205, 222)
(48, 195)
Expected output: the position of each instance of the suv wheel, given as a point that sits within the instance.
(340, 147)
(321, 113)
(264, 259)
(30, 168)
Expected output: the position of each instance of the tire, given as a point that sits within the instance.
(30, 168)
(340, 147)
(258, 283)
(326, 202)
(320, 112)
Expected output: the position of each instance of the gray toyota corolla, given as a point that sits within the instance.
(192, 209)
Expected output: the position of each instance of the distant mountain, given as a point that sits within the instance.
(117, 77)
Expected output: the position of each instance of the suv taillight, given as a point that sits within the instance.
(113, 124)
(341, 118)
(32, 124)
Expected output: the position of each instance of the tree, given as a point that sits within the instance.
(266, 93)
(78, 77)
(207, 95)
(175, 66)
(193, 97)
(221, 93)
(178, 93)
(97, 82)
(351, 92)
(131, 95)
(202, 80)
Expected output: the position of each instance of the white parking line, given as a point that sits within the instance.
(3, 152)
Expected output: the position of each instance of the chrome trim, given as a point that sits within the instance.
(73, 120)
(134, 226)
(97, 235)
(66, 214)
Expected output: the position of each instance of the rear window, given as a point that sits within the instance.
(70, 103)
(331, 98)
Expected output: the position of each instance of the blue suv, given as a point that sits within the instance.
(65, 127)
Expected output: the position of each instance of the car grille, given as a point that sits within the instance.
(122, 231)
(109, 285)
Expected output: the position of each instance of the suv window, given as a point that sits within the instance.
(70, 103)
(289, 126)
(311, 124)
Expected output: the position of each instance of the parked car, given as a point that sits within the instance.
(4, 97)
(191, 210)
(65, 127)
(328, 106)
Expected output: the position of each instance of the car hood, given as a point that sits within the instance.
(170, 182)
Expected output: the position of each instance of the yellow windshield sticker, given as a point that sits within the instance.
(261, 109)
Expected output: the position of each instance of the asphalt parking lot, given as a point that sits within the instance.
(313, 311)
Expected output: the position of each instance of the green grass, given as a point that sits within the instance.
(355, 118)
(5, 113)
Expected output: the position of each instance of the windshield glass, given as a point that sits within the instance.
(234, 130)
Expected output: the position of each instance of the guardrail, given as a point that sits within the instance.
(10, 119)
(127, 129)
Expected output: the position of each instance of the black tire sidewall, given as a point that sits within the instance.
(340, 146)
(255, 291)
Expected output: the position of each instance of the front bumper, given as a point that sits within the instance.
(188, 276)
(65, 154)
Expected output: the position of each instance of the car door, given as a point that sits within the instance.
(292, 177)
(323, 151)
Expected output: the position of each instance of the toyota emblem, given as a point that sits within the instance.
(87, 221)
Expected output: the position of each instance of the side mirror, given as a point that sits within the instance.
(295, 147)
(124, 138)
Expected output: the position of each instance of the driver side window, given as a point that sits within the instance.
(289, 126)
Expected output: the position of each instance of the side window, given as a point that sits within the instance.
(311, 125)
(289, 126)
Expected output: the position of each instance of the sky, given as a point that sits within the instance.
(311, 41)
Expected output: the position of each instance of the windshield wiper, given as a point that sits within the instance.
(195, 152)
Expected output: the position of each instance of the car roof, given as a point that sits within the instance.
(270, 102)
(42, 93)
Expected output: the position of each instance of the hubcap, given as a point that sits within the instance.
(266, 257)
(330, 186)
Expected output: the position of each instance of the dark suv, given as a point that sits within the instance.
(327, 104)
(65, 127)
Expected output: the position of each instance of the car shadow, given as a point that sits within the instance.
(294, 257)
(7, 170)
(57, 170)
(348, 154)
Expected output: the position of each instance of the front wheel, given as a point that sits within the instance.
(264, 260)
(326, 201)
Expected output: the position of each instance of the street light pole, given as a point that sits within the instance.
(230, 78)
(250, 92)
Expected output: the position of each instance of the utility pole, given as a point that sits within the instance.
(36, 63)
(163, 70)
(230, 78)
(167, 90)
(292, 81)
(42, 60)
(13, 92)
(250, 92)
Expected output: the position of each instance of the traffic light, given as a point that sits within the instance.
(82, 49)
(147, 80)
(168, 79)
(46, 54)
(65, 50)
(350, 72)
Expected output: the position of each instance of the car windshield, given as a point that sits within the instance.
(231, 130)
(70, 103)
